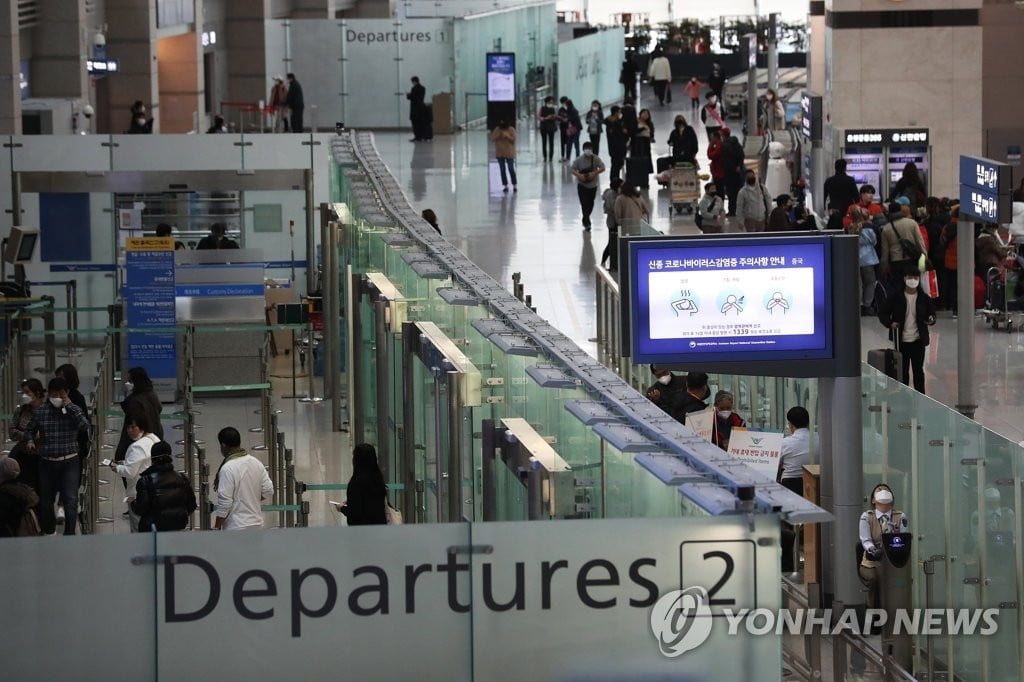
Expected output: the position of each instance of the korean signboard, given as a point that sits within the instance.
(985, 189)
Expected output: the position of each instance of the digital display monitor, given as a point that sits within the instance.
(26, 248)
(501, 77)
(21, 244)
(712, 300)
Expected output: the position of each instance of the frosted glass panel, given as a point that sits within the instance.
(61, 152)
(173, 152)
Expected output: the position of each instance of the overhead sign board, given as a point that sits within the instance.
(986, 188)
(887, 136)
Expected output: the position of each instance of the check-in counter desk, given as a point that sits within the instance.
(218, 288)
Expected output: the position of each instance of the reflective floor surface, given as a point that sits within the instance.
(537, 231)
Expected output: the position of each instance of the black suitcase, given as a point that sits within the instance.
(887, 361)
(638, 171)
(664, 163)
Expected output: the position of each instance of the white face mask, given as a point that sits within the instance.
(129, 387)
(665, 380)
(912, 282)
(57, 402)
(595, 108)
(587, 152)
(725, 414)
(25, 399)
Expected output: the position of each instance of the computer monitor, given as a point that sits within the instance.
(21, 244)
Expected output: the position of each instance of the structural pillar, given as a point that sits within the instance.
(131, 39)
(246, 39)
(10, 60)
(59, 51)
(180, 72)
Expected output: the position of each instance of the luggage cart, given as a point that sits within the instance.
(684, 188)
(1004, 286)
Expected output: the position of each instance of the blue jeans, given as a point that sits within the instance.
(62, 477)
(511, 164)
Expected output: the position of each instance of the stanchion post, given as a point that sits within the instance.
(305, 513)
(68, 286)
(289, 487)
(74, 312)
(204, 490)
(272, 455)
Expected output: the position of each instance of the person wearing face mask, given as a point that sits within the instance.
(139, 397)
(52, 433)
(140, 125)
(595, 124)
(907, 314)
(710, 210)
(711, 115)
(587, 170)
(69, 374)
(618, 140)
(795, 451)
(547, 119)
(774, 112)
(32, 396)
(753, 203)
(660, 73)
(667, 389)
(883, 518)
(136, 460)
(725, 420)
(241, 483)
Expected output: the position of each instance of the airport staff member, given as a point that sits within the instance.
(882, 519)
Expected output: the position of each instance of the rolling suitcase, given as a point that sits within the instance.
(889, 361)
(638, 171)
(663, 164)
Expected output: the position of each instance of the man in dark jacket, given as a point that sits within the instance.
(667, 389)
(695, 397)
(716, 80)
(907, 314)
(164, 499)
(295, 103)
(840, 192)
(217, 239)
(18, 503)
(732, 163)
(417, 97)
(618, 140)
(627, 77)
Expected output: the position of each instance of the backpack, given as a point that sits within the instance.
(911, 250)
(28, 526)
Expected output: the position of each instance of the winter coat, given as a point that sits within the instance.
(16, 500)
(988, 253)
(895, 310)
(753, 202)
(630, 210)
(163, 497)
(892, 233)
(660, 69)
(139, 401)
(867, 254)
(504, 142)
(684, 144)
(715, 156)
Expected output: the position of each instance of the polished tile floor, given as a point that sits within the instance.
(537, 232)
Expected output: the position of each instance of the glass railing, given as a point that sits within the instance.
(408, 281)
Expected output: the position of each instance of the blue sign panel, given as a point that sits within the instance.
(501, 77)
(730, 299)
(149, 303)
(985, 189)
(83, 267)
(203, 290)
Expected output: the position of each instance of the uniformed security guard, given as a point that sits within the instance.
(882, 519)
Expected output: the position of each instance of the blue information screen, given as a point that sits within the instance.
(501, 77)
(731, 299)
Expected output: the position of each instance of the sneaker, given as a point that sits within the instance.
(515, 188)
(60, 514)
(505, 189)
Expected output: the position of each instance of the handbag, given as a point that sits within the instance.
(392, 515)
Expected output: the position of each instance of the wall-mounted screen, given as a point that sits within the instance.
(730, 299)
(501, 77)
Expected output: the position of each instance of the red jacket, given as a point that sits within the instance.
(715, 156)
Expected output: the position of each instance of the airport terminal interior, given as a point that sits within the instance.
(291, 218)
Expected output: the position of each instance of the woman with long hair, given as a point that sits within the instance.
(33, 393)
(367, 492)
(139, 397)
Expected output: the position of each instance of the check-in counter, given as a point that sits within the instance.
(217, 288)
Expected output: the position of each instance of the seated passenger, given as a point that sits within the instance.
(725, 420)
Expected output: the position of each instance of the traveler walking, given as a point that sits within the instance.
(563, 128)
(840, 192)
(52, 433)
(711, 115)
(367, 494)
(716, 79)
(548, 124)
(907, 314)
(902, 244)
(572, 130)
(295, 103)
(241, 483)
(139, 397)
(733, 163)
(693, 90)
(504, 138)
(774, 112)
(587, 170)
(618, 140)
(640, 167)
(753, 204)
(660, 73)
(627, 77)
(595, 123)
(610, 254)
(683, 141)
(867, 258)
(136, 460)
(710, 210)
(164, 499)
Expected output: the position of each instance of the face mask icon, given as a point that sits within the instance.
(777, 302)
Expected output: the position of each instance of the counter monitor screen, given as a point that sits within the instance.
(730, 300)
